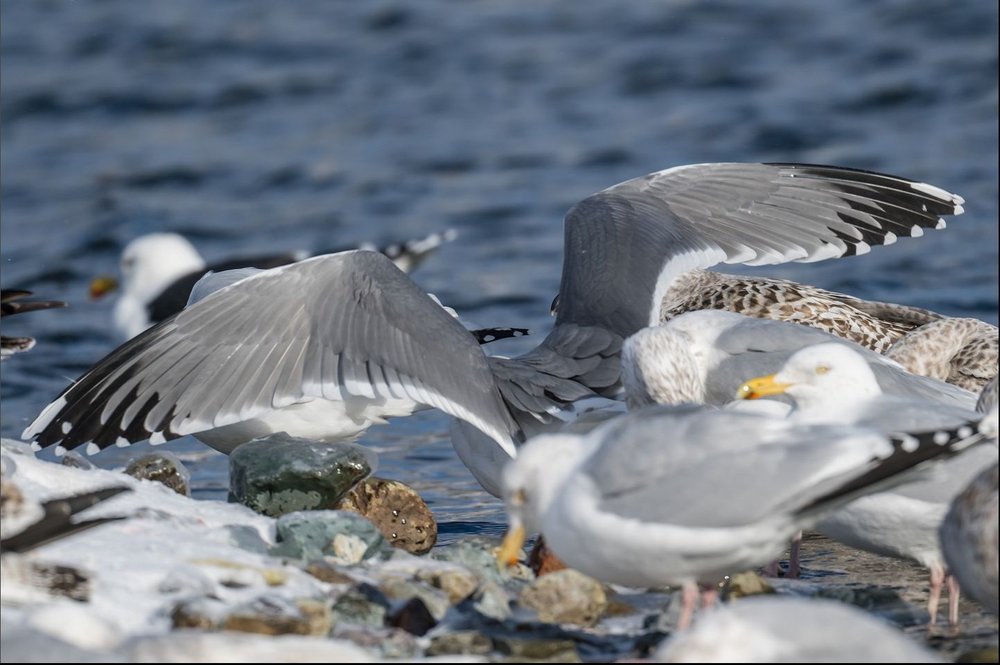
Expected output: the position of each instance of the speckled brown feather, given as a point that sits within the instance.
(964, 354)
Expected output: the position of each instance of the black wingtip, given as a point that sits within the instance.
(55, 523)
(909, 450)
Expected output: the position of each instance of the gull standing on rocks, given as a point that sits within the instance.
(326, 347)
(637, 501)
(831, 383)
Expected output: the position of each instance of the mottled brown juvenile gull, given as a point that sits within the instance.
(830, 383)
(11, 303)
(158, 271)
(328, 346)
(703, 357)
(687, 495)
(961, 351)
(969, 538)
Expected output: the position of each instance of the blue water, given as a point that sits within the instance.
(250, 126)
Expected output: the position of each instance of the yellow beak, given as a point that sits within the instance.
(762, 386)
(510, 551)
(99, 286)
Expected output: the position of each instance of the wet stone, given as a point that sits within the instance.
(745, 584)
(197, 613)
(274, 615)
(885, 602)
(246, 538)
(566, 596)
(466, 642)
(75, 460)
(390, 642)
(365, 604)
(521, 650)
(457, 583)
(327, 572)
(397, 510)
(162, 467)
(345, 537)
(400, 589)
(282, 474)
(478, 554)
(413, 616)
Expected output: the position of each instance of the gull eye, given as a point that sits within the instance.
(822, 369)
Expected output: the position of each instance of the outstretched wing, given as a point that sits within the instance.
(335, 327)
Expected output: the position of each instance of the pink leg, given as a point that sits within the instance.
(937, 580)
(689, 595)
(954, 593)
(794, 571)
(709, 596)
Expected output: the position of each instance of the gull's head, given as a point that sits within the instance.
(817, 374)
(659, 367)
(152, 262)
(531, 482)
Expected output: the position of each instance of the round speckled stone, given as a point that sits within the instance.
(397, 510)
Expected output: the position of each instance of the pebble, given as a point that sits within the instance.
(457, 583)
(281, 474)
(363, 604)
(745, 584)
(346, 537)
(274, 615)
(566, 596)
(523, 649)
(478, 554)
(162, 467)
(75, 460)
(467, 642)
(413, 616)
(397, 510)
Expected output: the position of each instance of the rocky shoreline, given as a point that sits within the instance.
(180, 579)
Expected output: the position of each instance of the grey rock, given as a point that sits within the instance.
(457, 583)
(364, 605)
(520, 650)
(282, 474)
(413, 616)
(246, 538)
(389, 642)
(346, 537)
(276, 615)
(397, 510)
(162, 467)
(492, 600)
(566, 596)
(467, 642)
(478, 554)
(399, 588)
(75, 460)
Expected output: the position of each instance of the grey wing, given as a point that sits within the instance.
(669, 467)
(624, 245)
(211, 282)
(621, 242)
(749, 347)
(335, 326)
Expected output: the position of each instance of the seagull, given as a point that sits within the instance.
(686, 495)
(702, 357)
(831, 383)
(961, 351)
(159, 270)
(10, 304)
(756, 630)
(328, 346)
(969, 538)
